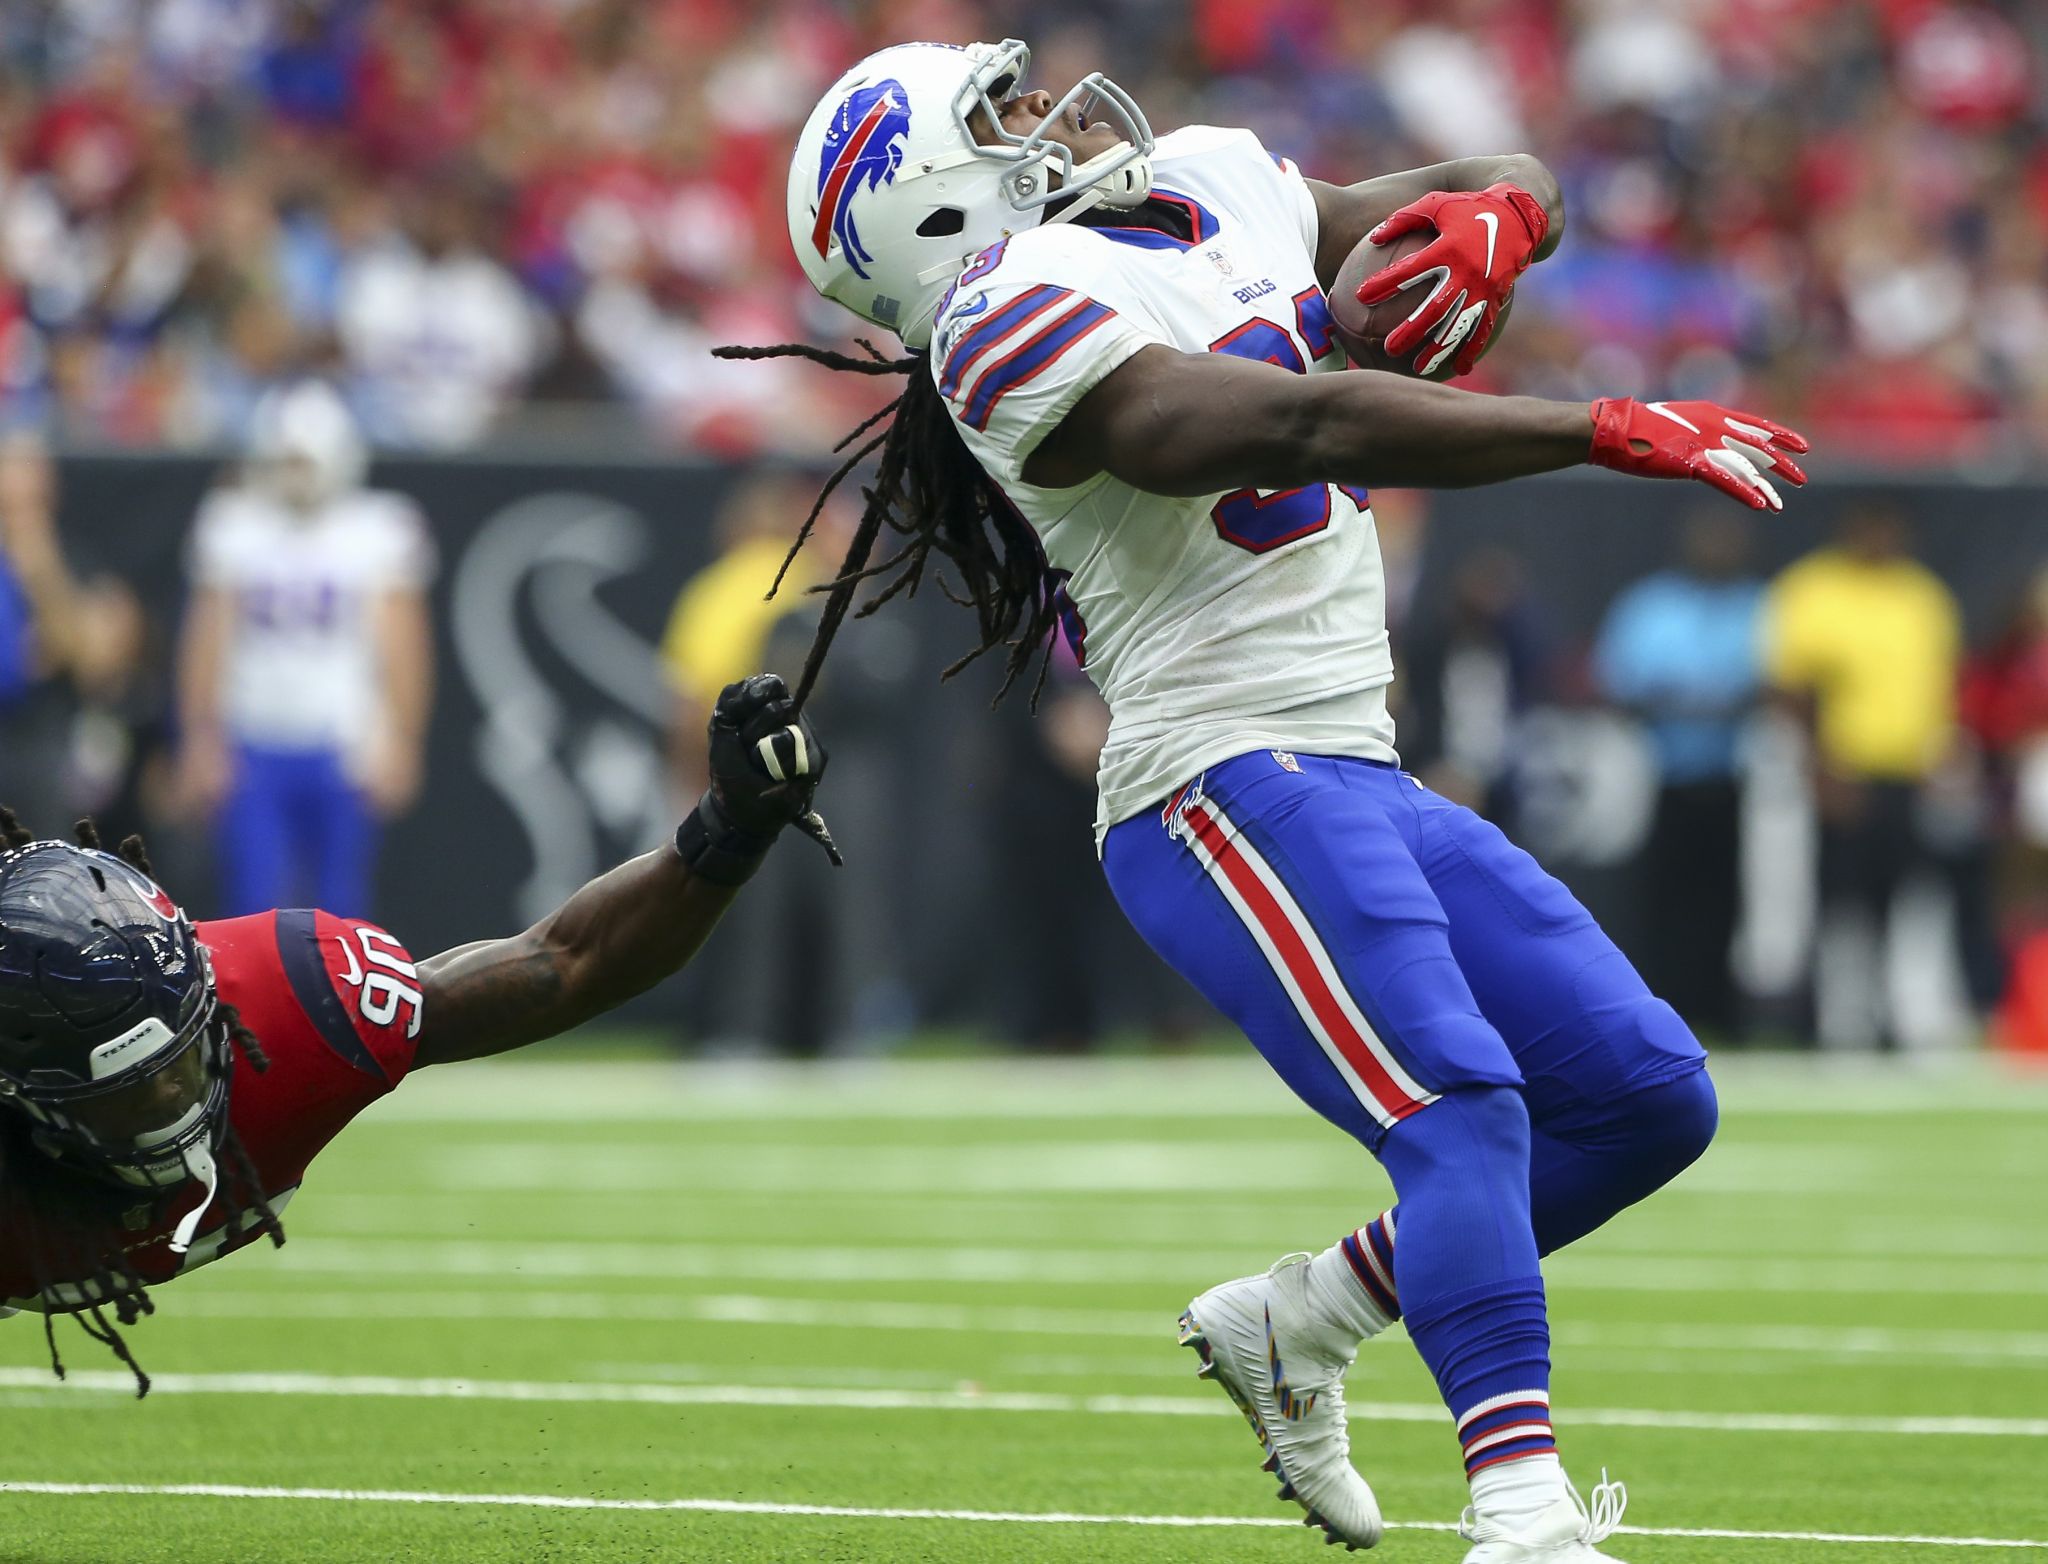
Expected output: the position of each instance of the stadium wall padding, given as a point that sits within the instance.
(546, 752)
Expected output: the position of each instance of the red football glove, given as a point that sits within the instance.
(1702, 440)
(1485, 240)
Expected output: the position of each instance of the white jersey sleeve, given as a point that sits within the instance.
(1030, 329)
(1235, 169)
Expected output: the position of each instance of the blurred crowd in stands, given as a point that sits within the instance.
(471, 213)
(298, 229)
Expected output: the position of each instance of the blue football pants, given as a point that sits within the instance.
(1385, 948)
(293, 831)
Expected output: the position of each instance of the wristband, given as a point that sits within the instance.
(715, 849)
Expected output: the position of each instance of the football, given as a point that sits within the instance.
(1363, 330)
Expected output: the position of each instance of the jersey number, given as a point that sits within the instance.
(1257, 521)
(386, 984)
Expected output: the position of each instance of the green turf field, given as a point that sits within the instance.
(738, 1314)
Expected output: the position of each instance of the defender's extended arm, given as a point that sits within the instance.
(627, 930)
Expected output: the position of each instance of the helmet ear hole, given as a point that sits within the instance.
(942, 222)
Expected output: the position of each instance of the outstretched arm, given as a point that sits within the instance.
(1203, 423)
(28, 544)
(627, 930)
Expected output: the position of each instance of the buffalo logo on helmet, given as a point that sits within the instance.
(863, 149)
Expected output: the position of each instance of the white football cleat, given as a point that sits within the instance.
(1259, 1340)
(1567, 1532)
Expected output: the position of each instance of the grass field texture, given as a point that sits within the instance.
(627, 1311)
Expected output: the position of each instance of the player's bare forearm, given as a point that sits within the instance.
(28, 546)
(1203, 423)
(201, 653)
(1390, 430)
(617, 937)
(407, 646)
(1347, 213)
(627, 930)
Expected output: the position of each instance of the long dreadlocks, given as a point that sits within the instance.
(75, 1227)
(928, 489)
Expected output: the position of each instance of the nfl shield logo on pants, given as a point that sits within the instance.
(1285, 760)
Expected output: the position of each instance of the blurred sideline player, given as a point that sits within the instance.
(307, 668)
(1122, 414)
(163, 1086)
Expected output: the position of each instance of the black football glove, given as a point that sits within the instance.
(766, 763)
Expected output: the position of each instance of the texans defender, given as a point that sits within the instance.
(1122, 411)
(163, 1086)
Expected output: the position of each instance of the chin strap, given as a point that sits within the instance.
(188, 1225)
(1122, 187)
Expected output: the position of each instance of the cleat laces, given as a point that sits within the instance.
(1603, 1515)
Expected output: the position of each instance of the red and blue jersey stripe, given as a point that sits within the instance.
(1037, 353)
(987, 334)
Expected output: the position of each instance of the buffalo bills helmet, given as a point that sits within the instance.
(113, 1048)
(891, 193)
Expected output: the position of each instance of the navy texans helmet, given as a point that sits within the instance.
(111, 1042)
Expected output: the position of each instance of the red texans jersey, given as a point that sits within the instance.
(336, 1004)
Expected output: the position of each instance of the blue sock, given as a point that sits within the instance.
(1466, 1267)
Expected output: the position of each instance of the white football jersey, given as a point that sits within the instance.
(302, 664)
(1217, 625)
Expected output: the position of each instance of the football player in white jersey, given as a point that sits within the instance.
(306, 671)
(1123, 415)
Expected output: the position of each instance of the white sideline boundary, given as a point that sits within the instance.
(546, 1501)
(877, 1400)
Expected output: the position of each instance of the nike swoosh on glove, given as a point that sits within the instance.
(1485, 239)
(1718, 445)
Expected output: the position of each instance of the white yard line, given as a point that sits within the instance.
(1097, 1266)
(1223, 1087)
(1144, 1221)
(720, 1309)
(1129, 1222)
(1875, 1345)
(548, 1501)
(905, 1400)
(1252, 1160)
